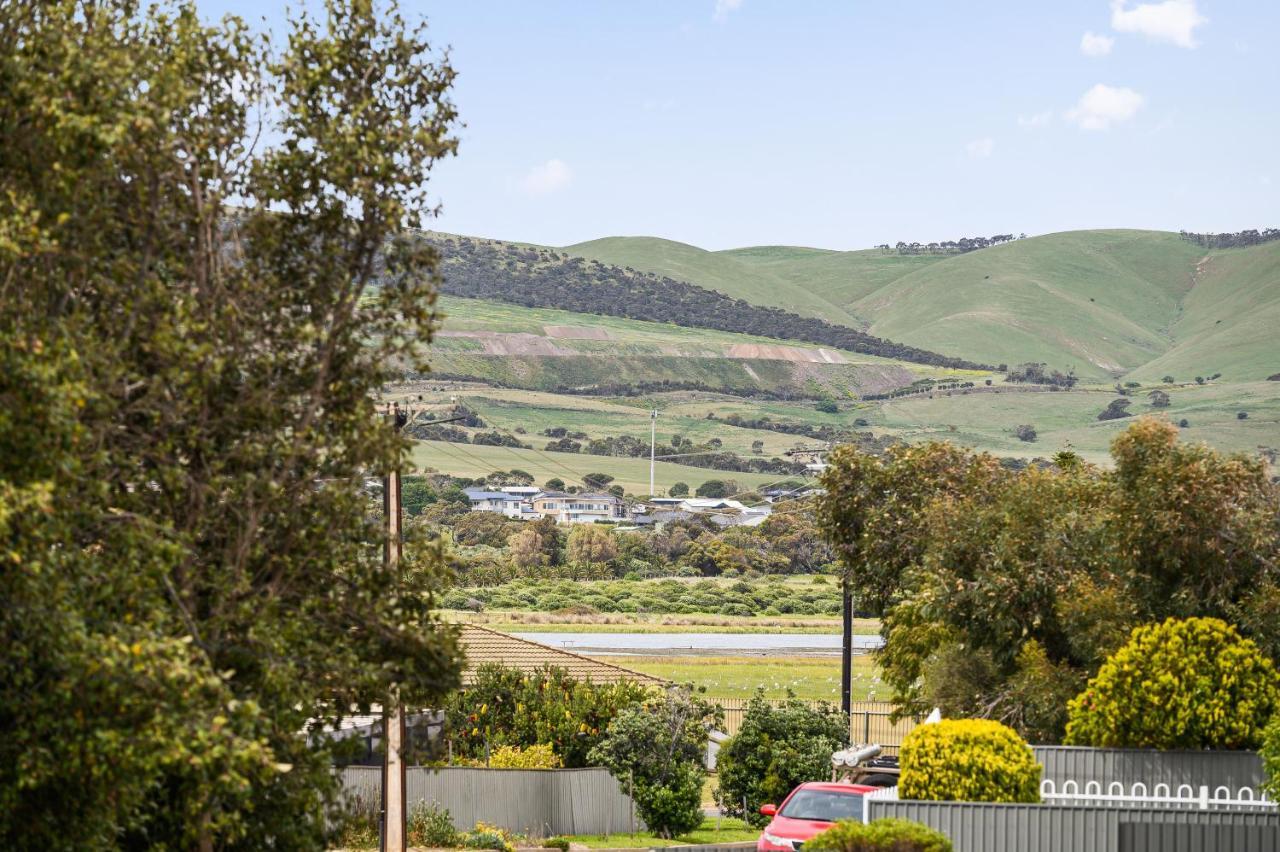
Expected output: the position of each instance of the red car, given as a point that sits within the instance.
(810, 810)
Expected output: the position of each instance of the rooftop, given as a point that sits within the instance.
(482, 645)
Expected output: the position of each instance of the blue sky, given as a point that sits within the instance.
(727, 123)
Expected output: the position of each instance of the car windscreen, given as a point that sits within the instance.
(824, 805)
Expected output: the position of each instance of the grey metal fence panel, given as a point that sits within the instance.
(975, 827)
(1166, 837)
(534, 802)
(1232, 769)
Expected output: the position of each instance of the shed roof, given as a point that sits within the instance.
(482, 645)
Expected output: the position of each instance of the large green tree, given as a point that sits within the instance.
(206, 275)
(1002, 592)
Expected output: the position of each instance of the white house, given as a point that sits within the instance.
(579, 508)
(510, 505)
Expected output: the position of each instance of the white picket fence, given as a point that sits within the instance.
(1160, 795)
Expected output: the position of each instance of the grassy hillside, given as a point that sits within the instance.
(550, 350)
(631, 474)
(813, 282)
(1106, 303)
(1100, 302)
(1230, 321)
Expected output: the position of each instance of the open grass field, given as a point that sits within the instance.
(632, 474)
(713, 831)
(813, 678)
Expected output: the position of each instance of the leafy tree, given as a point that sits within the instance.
(827, 406)
(1191, 684)
(757, 446)
(678, 489)
(591, 544)
(1168, 380)
(596, 481)
(776, 749)
(1158, 399)
(507, 707)
(192, 333)
(1115, 410)
(1025, 432)
(526, 548)
(658, 750)
(715, 488)
(555, 483)
(487, 528)
(416, 494)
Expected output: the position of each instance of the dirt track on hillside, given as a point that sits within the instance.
(773, 352)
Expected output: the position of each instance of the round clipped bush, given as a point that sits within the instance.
(967, 760)
(1187, 683)
(882, 835)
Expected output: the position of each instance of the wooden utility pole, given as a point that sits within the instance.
(393, 833)
(846, 651)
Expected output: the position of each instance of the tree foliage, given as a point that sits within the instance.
(777, 748)
(1002, 592)
(1184, 684)
(657, 750)
(191, 575)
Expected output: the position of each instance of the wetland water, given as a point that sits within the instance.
(696, 644)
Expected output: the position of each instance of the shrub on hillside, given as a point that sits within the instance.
(968, 760)
(1025, 432)
(1186, 683)
(1115, 410)
(775, 749)
(882, 835)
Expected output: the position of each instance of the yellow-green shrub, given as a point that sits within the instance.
(968, 760)
(881, 835)
(1186, 683)
(529, 757)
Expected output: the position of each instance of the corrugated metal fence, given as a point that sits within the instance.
(1233, 769)
(869, 721)
(534, 802)
(975, 827)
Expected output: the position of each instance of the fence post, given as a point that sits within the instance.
(1204, 797)
(866, 728)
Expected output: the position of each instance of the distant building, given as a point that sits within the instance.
(579, 508)
(726, 512)
(505, 503)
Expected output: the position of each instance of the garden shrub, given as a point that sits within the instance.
(968, 760)
(1271, 759)
(485, 836)
(657, 751)
(882, 835)
(540, 756)
(431, 825)
(560, 843)
(1185, 683)
(776, 749)
(506, 707)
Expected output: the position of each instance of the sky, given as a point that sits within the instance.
(727, 123)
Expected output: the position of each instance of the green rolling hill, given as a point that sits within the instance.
(1105, 303)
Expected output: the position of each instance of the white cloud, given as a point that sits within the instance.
(724, 7)
(1092, 44)
(551, 176)
(1174, 21)
(980, 148)
(1104, 105)
(1036, 119)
